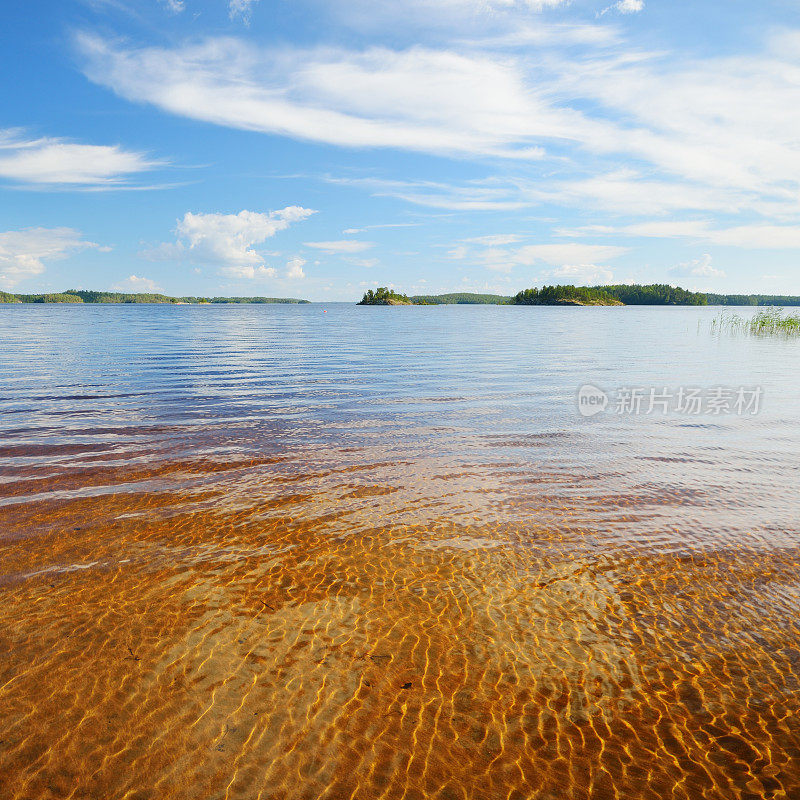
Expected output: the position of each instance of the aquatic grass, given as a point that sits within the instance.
(768, 322)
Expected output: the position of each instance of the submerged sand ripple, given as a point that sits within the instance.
(255, 629)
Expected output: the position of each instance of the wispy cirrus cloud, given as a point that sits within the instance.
(475, 195)
(757, 236)
(471, 104)
(559, 255)
(341, 246)
(495, 239)
(174, 6)
(584, 274)
(366, 263)
(49, 161)
(625, 7)
(722, 136)
(241, 9)
(454, 15)
(25, 253)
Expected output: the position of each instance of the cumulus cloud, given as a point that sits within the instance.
(342, 246)
(294, 268)
(229, 240)
(24, 253)
(57, 161)
(699, 268)
(136, 283)
(250, 273)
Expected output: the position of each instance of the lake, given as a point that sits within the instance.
(329, 551)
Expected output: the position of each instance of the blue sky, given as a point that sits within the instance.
(313, 148)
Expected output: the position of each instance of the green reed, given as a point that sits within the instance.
(769, 322)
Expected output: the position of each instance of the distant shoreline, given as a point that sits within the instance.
(568, 295)
(89, 297)
(618, 295)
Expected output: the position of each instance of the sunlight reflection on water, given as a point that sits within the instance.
(263, 551)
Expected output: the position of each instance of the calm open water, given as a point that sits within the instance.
(271, 552)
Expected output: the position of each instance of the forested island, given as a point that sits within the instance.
(656, 294)
(85, 296)
(388, 297)
(566, 296)
(385, 297)
(460, 299)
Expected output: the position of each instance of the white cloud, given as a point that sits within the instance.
(624, 191)
(241, 9)
(342, 246)
(56, 161)
(416, 99)
(581, 274)
(23, 253)
(491, 5)
(294, 268)
(174, 6)
(721, 136)
(459, 252)
(625, 7)
(700, 267)
(757, 236)
(473, 196)
(557, 255)
(229, 240)
(568, 253)
(367, 263)
(250, 273)
(136, 283)
(495, 239)
(389, 14)
(353, 231)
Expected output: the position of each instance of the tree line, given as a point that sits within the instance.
(654, 294)
(89, 296)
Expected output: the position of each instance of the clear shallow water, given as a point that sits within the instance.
(267, 551)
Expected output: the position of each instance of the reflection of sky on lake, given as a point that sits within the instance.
(287, 548)
(493, 386)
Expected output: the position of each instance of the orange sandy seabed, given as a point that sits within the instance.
(226, 630)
